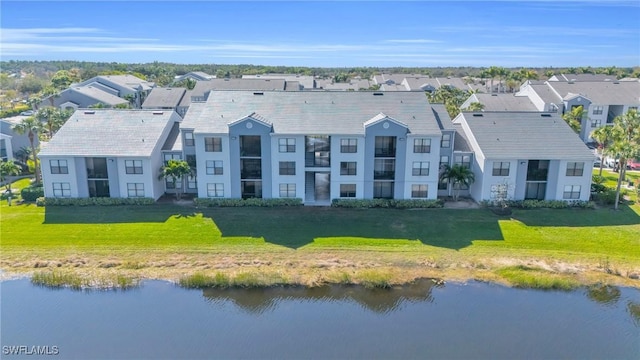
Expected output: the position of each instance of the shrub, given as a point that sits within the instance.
(32, 193)
(256, 202)
(387, 203)
(607, 197)
(93, 201)
(543, 204)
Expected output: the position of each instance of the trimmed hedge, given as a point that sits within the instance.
(32, 193)
(256, 202)
(540, 204)
(98, 201)
(387, 203)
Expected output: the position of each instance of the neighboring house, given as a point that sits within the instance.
(122, 86)
(202, 89)
(6, 148)
(531, 155)
(352, 85)
(500, 102)
(602, 101)
(582, 77)
(11, 142)
(107, 153)
(167, 99)
(306, 82)
(194, 75)
(316, 146)
(417, 82)
(78, 97)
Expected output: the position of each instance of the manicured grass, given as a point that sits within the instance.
(533, 278)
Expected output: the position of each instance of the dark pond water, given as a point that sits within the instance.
(420, 321)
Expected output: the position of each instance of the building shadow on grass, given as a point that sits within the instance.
(114, 214)
(299, 226)
(578, 217)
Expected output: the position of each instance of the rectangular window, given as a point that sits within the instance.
(287, 145)
(571, 192)
(133, 166)
(348, 145)
(420, 168)
(188, 139)
(214, 167)
(135, 189)
(59, 166)
(384, 169)
(597, 110)
(213, 144)
(287, 190)
(446, 141)
(251, 169)
(169, 183)
(464, 160)
(215, 190)
(191, 182)
(168, 157)
(250, 146)
(61, 189)
(501, 168)
(348, 168)
(421, 146)
(348, 190)
(383, 189)
(419, 191)
(385, 146)
(287, 167)
(595, 123)
(575, 168)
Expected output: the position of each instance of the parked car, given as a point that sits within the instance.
(633, 164)
(27, 113)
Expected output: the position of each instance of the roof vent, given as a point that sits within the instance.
(494, 94)
(158, 112)
(477, 115)
(258, 93)
(89, 112)
(616, 82)
(378, 94)
(545, 115)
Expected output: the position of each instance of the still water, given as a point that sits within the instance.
(421, 321)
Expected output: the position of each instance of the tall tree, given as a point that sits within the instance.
(475, 106)
(8, 168)
(603, 136)
(53, 119)
(175, 170)
(32, 127)
(574, 118)
(626, 143)
(457, 176)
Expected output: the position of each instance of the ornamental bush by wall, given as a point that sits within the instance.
(98, 201)
(256, 202)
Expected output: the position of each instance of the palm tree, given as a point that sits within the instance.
(475, 106)
(574, 118)
(34, 102)
(626, 143)
(175, 170)
(52, 119)
(32, 127)
(603, 136)
(50, 92)
(8, 168)
(457, 175)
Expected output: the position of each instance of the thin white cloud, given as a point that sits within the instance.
(412, 41)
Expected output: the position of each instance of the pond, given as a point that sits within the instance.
(421, 320)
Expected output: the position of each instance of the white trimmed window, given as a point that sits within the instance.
(287, 168)
(419, 191)
(348, 168)
(215, 190)
(135, 190)
(188, 139)
(348, 190)
(287, 190)
(168, 157)
(133, 166)
(595, 123)
(61, 189)
(501, 168)
(420, 168)
(464, 160)
(214, 167)
(421, 146)
(212, 144)
(575, 168)
(598, 109)
(192, 182)
(571, 192)
(446, 141)
(59, 166)
(348, 145)
(286, 145)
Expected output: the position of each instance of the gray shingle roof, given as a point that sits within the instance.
(546, 94)
(94, 93)
(525, 135)
(164, 98)
(584, 77)
(602, 92)
(203, 87)
(505, 102)
(324, 112)
(110, 132)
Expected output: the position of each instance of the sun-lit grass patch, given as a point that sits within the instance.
(536, 278)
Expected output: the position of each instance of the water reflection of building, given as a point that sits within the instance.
(261, 300)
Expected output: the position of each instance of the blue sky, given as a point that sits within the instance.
(326, 34)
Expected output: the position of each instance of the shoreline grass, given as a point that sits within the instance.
(57, 279)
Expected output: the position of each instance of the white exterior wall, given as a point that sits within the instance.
(432, 157)
(583, 181)
(487, 187)
(202, 179)
(297, 156)
(148, 178)
(48, 178)
(337, 157)
(8, 145)
(533, 96)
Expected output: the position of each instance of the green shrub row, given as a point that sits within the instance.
(540, 204)
(100, 201)
(32, 193)
(387, 203)
(608, 197)
(256, 202)
(13, 112)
